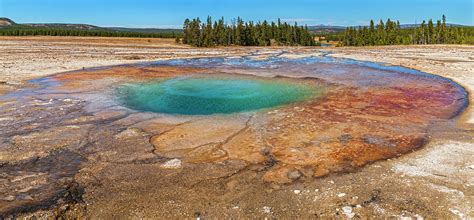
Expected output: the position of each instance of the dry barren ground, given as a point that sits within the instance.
(436, 181)
(25, 58)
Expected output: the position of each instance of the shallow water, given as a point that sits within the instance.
(211, 95)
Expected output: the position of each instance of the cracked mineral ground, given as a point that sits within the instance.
(71, 144)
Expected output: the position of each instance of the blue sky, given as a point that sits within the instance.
(171, 13)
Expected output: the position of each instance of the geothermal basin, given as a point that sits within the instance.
(294, 118)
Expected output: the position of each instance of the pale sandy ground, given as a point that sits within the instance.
(445, 165)
(24, 58)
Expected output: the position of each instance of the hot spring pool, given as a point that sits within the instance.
(334, 115)
(212, 95)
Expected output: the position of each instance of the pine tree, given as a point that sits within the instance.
(244, 33)
(438, 30)
(431, 33)
(186, 32)
(372, 38)
(444, 31)
(423, 37)
(207, 35)
(380, 33)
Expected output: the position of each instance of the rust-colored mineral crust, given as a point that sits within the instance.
(353, 123)
(348, 127)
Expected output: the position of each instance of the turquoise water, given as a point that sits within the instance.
(207, 95)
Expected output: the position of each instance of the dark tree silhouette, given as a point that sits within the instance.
(243, 33)
(390, 33)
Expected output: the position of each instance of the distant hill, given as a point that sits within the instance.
(418, 25)
(325, 29)
(145, 30)
(6, 22)
(93, 27)
(65, 26)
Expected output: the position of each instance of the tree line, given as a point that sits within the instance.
(238, 32)
(390, 33)
(18, 30)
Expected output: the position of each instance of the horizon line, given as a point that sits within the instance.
(287, 20)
